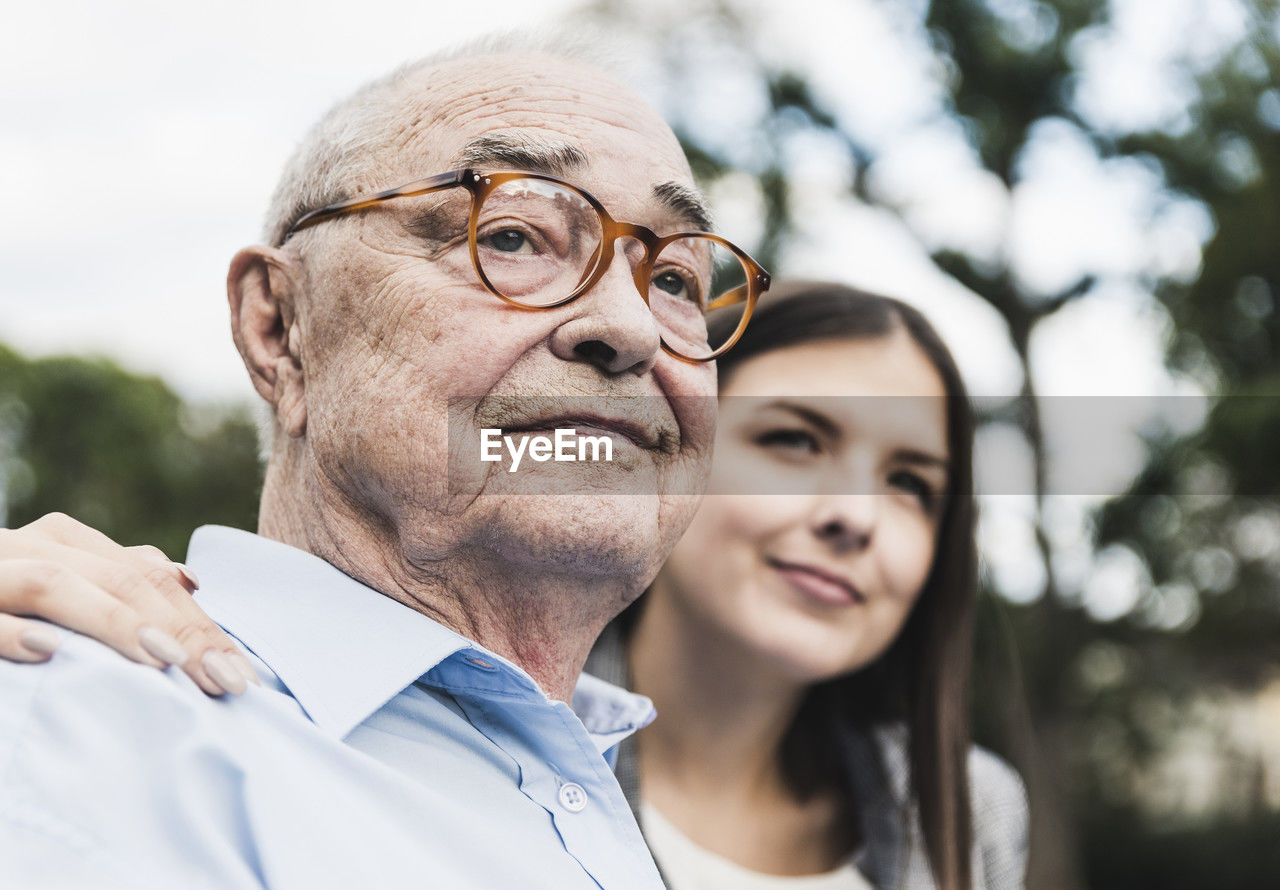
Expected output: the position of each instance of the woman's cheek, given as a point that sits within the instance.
(908, 556)
(744, 520)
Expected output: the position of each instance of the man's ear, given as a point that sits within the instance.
(263, 284)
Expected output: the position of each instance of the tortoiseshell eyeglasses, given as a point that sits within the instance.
(537, 242)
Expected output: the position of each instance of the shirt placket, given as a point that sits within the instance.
(562, 771)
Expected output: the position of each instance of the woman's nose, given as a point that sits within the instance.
(845, 522)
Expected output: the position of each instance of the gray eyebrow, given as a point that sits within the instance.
(518, 151)
(687, 203)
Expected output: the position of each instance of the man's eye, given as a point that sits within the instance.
(790, 440)
(916, 486)
(679, 284)
(671, 283)
(507, 241)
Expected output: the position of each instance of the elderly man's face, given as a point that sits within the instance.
(398, 334)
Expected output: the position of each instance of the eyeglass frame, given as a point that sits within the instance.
(481, 185)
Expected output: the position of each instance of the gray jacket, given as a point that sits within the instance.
(892, 856)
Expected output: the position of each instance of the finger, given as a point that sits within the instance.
(60, 528)
(195, 629)
(156, 557)
(26, 641)
(188, 623)
(51, 590)
(58, 594)
(136, 582)
(63, 529)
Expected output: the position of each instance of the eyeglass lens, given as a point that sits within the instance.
(536, 241)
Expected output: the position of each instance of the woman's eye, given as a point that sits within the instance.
(800, 441)
(914, 485)
(507, 241)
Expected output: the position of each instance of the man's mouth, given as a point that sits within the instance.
(647, 436)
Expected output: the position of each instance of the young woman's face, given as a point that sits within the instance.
(849, 437)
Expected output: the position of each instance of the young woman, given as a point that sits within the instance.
(807, 644)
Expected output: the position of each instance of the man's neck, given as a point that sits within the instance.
(543, 622)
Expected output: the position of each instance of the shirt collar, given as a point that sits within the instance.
(342, 648)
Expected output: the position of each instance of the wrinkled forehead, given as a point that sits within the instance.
(530, 111)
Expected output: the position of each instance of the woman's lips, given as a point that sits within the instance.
(819, 584)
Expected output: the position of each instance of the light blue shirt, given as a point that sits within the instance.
(385, 751)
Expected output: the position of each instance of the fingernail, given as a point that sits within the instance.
(162, 646)
(245, 667)
(223, 672)
(189, 575)
(40, 640)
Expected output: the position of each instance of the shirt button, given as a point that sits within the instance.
(573, 797)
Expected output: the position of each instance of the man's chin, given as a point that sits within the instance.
(598, 535)
(632, 472)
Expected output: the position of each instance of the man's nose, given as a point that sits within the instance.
(610, 326)
(845, 522)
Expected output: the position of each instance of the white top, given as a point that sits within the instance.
(686, 866)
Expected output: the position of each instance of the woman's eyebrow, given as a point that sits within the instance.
(824, 423)
(921, 458)
(828, 426)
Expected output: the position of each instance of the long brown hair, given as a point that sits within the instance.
(922, 680)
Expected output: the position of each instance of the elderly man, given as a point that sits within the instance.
(418, 620)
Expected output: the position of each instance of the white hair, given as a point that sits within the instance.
(340, 149)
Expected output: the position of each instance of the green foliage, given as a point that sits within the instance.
(1185, 514)
(1237, 853)
(120, 452)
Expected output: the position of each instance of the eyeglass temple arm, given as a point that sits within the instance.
(421, 187)
(732, 298)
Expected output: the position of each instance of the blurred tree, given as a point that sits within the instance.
(120, 452)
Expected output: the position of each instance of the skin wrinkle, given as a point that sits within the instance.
(341, 144)
(376, 356)
(374, 454)
(479, 111)
(406, 253)
(386, 290)
(507, 410)
(373, 359)
(374, 174)
(480, 97)
(451, 603)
